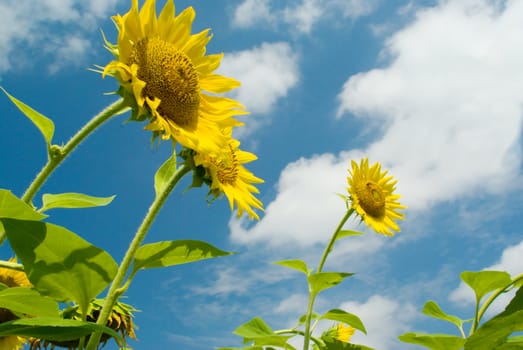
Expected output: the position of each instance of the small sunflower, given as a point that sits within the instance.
(344, 332)
(12, 278)
(163, 72)
(371, 193)
(225, 174)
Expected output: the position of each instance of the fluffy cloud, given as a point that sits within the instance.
(26, 23)
(301, 16)
(449, 109)
(384, 320)
(509, 261)
(267, 73)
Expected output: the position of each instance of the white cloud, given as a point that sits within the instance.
(301, 16)
(511, 262)
(384, 320)
(32, 25)
(449, 101)
(267, 73)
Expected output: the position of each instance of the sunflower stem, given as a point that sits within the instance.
(115, 288)
(57, 154)
(312, 296)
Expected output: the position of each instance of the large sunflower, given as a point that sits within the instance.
(225, 173)
(163, 70)
(372, 195)
(11, 278)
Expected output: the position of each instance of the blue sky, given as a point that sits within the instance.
(431, 89)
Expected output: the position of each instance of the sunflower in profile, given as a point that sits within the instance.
(163, 72)
(12, 278)
(343, 332)
(225, 174)
(372, 196)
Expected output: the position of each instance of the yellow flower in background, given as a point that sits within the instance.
(163, 71)
(372, 195)
(227, 175)
(344, 332)
(12, 278)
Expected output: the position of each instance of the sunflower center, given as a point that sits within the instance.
(227, 172)
(170, 76)
(372, 199)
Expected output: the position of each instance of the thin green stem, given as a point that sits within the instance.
(115, 290)
(57, 154)
(312, 296)
(491, 298)
(297, 332)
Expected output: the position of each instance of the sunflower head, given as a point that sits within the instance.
(165, 75)
(225, 174)
(338, 333)
(371, 193)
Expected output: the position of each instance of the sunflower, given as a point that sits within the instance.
(225, 174)
(371, 193)
(343, 332)
(11, 278)
(163, 70)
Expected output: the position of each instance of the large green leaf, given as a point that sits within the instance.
(434, 341)
(334, 344)
(483, 282)
(432, 309)
(72, 200)
(60, 263)
(44, 124)
(322, 280)
(28, 301)
(259, 332)
(56, 329)
(294, 264)
(164, 174)
(170, 253)
(14, 208)
(496, 332)
(345, 317)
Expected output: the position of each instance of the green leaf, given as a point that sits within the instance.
(254, 328)
(169, 253)
(323, 280)
(495, 332)
(44, 124)
(434, 341)
(56, 329)
(432, 309)
(59, 263)
(14, 208)
(335, 344)
(28, 301)
(347, 233)
(294, 264)
(345, 317)
(73, 200)
(483, 282)
(164, 174)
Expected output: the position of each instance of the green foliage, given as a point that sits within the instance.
(495, 333)
(55, 329)
(335, 344)
(22, 300)
(72, 200)
(322, 280)
(348, 233)
(434, 341)
(294, 264)
(164, 174)
(14, 208)
(432, 309)
(59, 263)
(44, 124)
(344, 317)
(169, 253)
(259, 332)
(483, 282)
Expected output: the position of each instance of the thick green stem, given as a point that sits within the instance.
(323, 259)
(115, 290)
(491, 298)
(58, 154)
